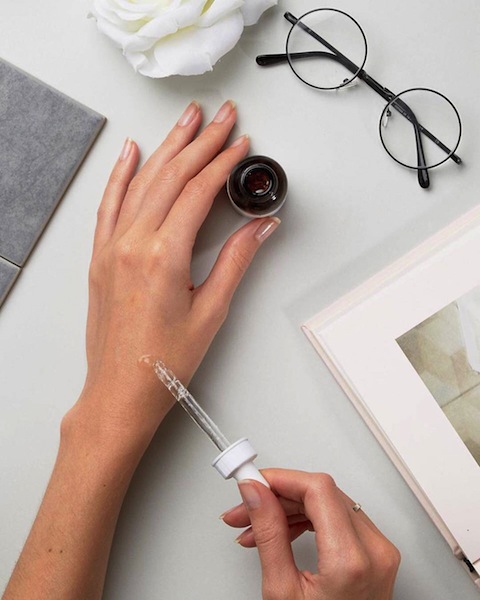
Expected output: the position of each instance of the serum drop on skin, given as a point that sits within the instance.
(257, 187)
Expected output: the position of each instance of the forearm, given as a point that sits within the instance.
(66, 554)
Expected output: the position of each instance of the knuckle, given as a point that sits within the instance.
(101, 212)
(94, 279)
(138, 184)
(117, 177)
(163, 248)
(326, 480)
(240, 259)
(124, 251)
(170, 173)
(267, 538)
(221, 313)
(164, 253)
(390, 559)
(213, 315)
(323, 483)
(357, 570)
(196, 187)
(94, 274)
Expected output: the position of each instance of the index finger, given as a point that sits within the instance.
(170, 180)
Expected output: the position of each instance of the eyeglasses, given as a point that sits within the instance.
(408, 120)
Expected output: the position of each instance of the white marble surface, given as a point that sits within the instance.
(351, 211)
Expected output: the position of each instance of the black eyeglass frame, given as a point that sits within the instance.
(391, 98)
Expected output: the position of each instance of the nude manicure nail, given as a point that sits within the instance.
(230, 510)
(266, 229)
(224, 112)
(189, 114)
(127, 147)
(239, 141)
(250, 496)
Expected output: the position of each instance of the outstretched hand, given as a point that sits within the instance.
(142, 300)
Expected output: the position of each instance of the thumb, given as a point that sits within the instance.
(235, 258)
(272, 537)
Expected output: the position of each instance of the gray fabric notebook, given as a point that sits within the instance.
(44, 137)
(8, 274)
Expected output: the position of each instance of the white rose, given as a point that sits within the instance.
(167, 37)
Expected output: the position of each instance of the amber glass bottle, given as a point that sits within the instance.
(257, 186)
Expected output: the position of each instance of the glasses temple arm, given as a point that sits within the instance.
(267, 60)
(422, 172)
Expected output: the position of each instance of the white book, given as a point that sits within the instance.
(405, 347)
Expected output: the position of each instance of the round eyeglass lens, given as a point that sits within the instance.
(326, 48)
(420, 128)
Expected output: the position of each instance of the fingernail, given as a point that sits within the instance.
(267, 228)
(224, 112)
(189, 114)
(230, 510)
(240, 538)
(239, 141)
(127, 147)
(245, 537)
(250, 496)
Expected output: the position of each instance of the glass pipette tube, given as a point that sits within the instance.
(190, 405)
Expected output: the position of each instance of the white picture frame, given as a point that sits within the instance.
(357, 338)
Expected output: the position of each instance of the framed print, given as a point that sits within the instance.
(405, 347)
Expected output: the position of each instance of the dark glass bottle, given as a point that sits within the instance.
(257, 186)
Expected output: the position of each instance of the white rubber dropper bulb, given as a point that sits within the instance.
(237, 462)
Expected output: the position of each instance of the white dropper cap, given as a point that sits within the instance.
(237, 462)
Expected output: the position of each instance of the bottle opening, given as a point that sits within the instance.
(259, 180)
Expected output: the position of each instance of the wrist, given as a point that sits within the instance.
(113, 426)
(92, 464)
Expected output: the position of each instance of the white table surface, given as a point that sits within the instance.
(351, 211)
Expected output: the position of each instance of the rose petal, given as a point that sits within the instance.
(100, 11)
(188, 12)
(174, 55)
(104, 10)
(149, 35)
(218, 10)
(117, 35)
(137, 59)
(142, 7)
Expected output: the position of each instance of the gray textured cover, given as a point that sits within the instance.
(8, 274)
(44, 137)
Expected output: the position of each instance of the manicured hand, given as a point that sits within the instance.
(355, 560)
(142, 300)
